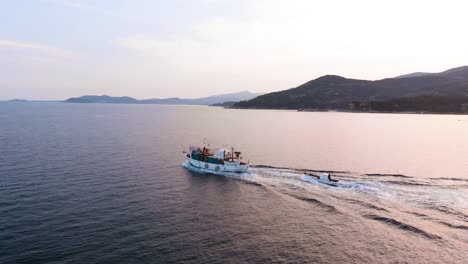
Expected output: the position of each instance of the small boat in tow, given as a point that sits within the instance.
(216, 161)
(324, 178)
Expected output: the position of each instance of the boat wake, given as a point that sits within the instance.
(431, 192)
(396, 200)
(423, 192)
(434, 209)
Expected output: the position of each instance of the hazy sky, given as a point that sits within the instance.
(55, 49)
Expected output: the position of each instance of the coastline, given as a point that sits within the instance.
(275, 109)
(351, 111)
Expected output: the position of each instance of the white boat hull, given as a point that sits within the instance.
(219, 168)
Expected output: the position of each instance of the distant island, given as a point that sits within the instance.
(18, 101)
(444, 92)
(211, 100)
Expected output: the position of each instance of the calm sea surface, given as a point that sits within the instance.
(102, 183)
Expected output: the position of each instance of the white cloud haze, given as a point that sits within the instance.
(43, 49)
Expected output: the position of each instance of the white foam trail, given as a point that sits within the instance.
(417, 194)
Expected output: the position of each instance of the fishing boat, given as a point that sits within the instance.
(216, 160)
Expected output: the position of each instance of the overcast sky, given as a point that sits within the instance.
(55, 49)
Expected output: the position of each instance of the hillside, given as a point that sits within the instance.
(336, 92)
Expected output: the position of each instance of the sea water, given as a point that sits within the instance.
(103, 183)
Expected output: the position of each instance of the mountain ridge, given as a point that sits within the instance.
(332, 92)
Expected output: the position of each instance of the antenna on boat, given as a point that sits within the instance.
(232, 153)
(206, 143)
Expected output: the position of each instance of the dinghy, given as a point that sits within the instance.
(324, 178)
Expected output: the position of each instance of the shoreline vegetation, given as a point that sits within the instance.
(411, 105)
(352, 111)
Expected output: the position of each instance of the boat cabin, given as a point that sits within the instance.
(218, 156)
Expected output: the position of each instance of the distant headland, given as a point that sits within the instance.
(444, 92)
(211, 100)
